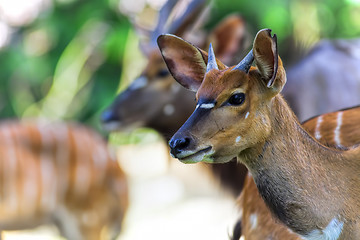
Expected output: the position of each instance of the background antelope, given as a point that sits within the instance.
(165, 113)
(60, 174)
(318, 77)
(305, 184)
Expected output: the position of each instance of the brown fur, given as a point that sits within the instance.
(78, 186)
(305, 184)
(251, 202)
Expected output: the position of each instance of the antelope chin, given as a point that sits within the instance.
(202, 155)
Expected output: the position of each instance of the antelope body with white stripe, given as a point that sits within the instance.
(312, 189)
(256, 220)
(337, 129)
(60, 174)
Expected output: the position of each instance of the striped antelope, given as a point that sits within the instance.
(338, 130)
(312, 189)
(60, 174)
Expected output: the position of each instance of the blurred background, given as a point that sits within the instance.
(68, 59)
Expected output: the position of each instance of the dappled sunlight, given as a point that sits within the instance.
(134, 61)
(21, 12)
(37, 42)
(70, 74)
(5, 32)
(306, 25)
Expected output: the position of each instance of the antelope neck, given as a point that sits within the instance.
(299, 179)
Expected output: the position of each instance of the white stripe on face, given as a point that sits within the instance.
(206, 105)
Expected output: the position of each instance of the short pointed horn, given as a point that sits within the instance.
(245, 64)
(211, 60)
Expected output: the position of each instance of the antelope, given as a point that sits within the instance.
(318, 77)
(60, 174)
(256, 221)
(310, 188)
(164, 113)
(152, 99)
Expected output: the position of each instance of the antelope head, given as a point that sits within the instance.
(233, 103)
(150, 99)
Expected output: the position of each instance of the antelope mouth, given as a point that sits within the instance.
(202, 155)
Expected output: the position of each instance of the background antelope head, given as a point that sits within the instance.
(232, 102)
(152, 100)
(148, 100)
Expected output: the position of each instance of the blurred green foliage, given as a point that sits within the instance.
(80, 43)
(69, 62)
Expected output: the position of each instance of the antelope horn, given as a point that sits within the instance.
(245, 64)
(211, 60)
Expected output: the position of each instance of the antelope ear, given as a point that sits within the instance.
(186, 63)
(267, 60)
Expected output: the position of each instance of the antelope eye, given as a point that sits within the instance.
(237, 99)
(163, 73)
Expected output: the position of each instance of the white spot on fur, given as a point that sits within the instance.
(317, 128)
(207, 105)
(238, 138)
(139, 83)
(337, 129)
(247, 115)
(253, 221)
(242, 238)
(331, 232)
(169, 109)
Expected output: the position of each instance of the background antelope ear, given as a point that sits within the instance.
(186, 63)
(230, 39)
(267, 60)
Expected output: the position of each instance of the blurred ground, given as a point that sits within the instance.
(169, 200)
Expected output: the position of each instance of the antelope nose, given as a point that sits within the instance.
(177, 145)
(108, 116)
